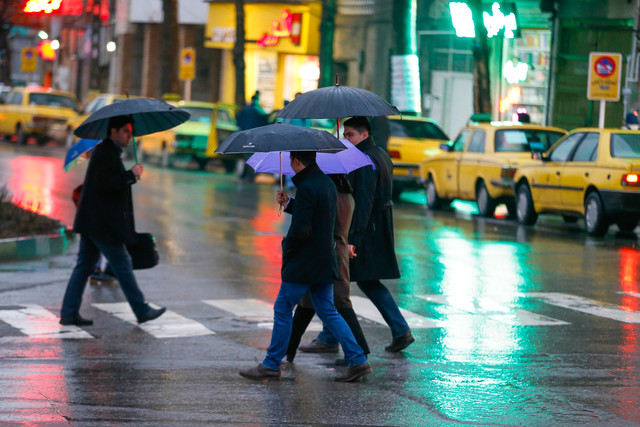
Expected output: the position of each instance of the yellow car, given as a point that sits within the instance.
(408, 141)
(590, 173)
(94, 104)
(194, 138)
(36, 111)
(481, 163)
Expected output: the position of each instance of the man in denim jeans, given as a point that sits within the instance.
(308, 264)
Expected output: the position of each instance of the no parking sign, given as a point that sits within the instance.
(604, 76)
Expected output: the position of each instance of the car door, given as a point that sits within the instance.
(450, 164)
(468, 165)
(545, 187)
(574, 176)
(11, 112)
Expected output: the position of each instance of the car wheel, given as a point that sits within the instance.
(570, 219)
(524, 206)
(486, 204)
(433, 200)
(627, 224)
(594, 215)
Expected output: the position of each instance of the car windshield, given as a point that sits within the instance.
(625, 145)
(518, 140)
(415, 129)
(52, 100)
(198, 114)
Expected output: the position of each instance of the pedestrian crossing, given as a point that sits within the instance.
(35, 321)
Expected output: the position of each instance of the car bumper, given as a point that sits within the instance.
(407, 174)
(621, 202)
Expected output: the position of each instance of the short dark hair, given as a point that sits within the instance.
(359, 123)
(305, 157)
(118, 122)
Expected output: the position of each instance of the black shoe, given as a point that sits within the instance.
(260, 372)
(152, 313)
(354, 372)
(75, 320)
(400, 343)
(317, 346)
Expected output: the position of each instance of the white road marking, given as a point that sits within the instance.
(589, 306)
(631, 294)
(38, 322)
(365, 308)
(169, 325)
(495, 311)
(254, 311)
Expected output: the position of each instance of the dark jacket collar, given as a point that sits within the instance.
(108, 141)
(304, 173)
(365, 144)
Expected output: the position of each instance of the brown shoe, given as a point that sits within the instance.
(316, 346)
(400, 343)
(355, 372)
(260, 372)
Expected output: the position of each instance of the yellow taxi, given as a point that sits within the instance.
(408, 141)
(591, 173)
(36, 111)
(193, 139)
(479, 165)
(94, 104)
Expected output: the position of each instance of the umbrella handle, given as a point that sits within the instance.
(135, 148)
(280, 208)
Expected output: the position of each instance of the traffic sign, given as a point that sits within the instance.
(29, 59)
(187, 64)
(604, 76)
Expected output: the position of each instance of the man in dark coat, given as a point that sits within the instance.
(371, 241)
(308, 265)
(105, 222)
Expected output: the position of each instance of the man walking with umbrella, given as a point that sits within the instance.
(309, 265)
(105, 222)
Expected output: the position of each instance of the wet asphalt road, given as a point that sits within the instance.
(514, 325)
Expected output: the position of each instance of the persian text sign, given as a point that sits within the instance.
(604, 76)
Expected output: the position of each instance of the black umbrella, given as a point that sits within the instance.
(337, 102)
(149, 116)
(280, 137)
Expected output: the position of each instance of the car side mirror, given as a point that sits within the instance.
(446, 147)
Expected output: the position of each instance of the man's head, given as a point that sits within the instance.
(120, 130)
(357, 129)
(301, 159)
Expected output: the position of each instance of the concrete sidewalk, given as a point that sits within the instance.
(29, 247)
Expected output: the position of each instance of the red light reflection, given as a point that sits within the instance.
(267, 244)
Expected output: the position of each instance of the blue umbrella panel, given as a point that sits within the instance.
(77, 152)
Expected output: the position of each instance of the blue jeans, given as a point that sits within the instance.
(120, 262)
(322, 298)
(386, 305)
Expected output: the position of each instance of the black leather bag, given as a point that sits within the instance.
(142, 248)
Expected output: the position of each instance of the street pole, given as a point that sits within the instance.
(603, 104)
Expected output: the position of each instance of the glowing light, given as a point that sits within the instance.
(498, 21)
(46, 6)
(515, 73)
(43, 35)
(111, 46)
(47, 51)
(513, 97)
(55, 44)
(309, 71)
(280, 28)
(462, 19)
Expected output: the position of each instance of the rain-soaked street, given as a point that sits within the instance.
(514, 325)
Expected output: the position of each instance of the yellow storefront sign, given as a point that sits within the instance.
(604, 76)
(29, 60)
(187, 69)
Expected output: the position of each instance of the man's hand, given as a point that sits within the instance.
(352, 251)
(137, 170)
(282, 198)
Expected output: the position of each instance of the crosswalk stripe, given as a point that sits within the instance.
(365, 308)
(495, 311)
(169, 325)
(589, 306)
(38, 322)
(631, 294)
(254, 311)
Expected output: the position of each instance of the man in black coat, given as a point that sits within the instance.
(371, 240)
(308, 265)
(105, 222)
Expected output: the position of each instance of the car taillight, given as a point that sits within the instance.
(507, 173)
(394, 154)
(630, 179)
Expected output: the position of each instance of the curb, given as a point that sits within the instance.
(24, 248)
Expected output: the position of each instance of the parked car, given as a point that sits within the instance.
(481, 163)
(93, 105)
(408, 140)
(590, 173)
(192, 140)
(36, 111)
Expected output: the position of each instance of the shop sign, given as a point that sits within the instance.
(288, 26)
(405, 83)
(187, 64)
(46, 6)
(223, 34)
(604, 76)
(515, 73)
(500, 20)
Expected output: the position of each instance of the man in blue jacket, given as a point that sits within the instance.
(308, 264)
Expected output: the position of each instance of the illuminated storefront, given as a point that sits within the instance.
(282, 43)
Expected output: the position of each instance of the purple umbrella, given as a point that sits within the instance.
(343, 161)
